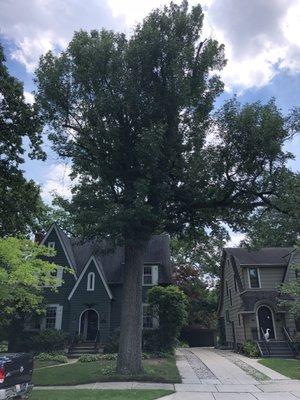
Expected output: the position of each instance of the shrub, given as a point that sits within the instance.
(112, 345)
(52, 357)
(3, 347)
(86, 358)
(250, 349)
(168, 304)
(49, 341)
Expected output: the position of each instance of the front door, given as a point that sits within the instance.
(265, 321)
(89, 325)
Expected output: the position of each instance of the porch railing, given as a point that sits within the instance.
(265, 342)
(289, 341)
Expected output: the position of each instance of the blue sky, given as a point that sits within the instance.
(261, 39)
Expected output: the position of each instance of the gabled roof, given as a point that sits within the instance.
(100, 272)
(65, 243)
(111, 259)
(264, 256)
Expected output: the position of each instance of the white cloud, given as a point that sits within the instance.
(261, 36)
(261, 39)
(29, 97)
(235, 239)
(36, 26)
(57, 181)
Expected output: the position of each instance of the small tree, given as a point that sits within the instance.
(292, 289)
(23, 275)
(169, 304)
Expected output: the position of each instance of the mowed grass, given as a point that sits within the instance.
(155, 370)
(98, 394)
(287, 367)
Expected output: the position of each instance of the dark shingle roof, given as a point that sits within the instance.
(112, 260)
(264, 256)
(68, 245)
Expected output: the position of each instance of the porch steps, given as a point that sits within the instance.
(83, 348)
(277, 349)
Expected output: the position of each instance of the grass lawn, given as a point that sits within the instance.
(42, 364)
(156, 370)
(287, 367)
(98, 394)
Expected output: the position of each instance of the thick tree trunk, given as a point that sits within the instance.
(130, 347)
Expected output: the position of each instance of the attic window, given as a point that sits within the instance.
(254, 278)
(51, 245)
(91, 282)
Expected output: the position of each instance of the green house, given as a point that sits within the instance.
(88, 301)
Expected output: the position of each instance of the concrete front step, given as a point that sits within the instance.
(276, 349)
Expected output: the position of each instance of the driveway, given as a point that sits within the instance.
(210, 374)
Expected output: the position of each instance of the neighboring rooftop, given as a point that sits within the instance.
(264, 256)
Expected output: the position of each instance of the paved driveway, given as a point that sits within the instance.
(209, 374)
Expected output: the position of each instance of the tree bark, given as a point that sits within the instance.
(130, 346)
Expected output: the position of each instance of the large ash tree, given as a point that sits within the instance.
(133, 115)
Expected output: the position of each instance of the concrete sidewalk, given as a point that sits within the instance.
(230, 381)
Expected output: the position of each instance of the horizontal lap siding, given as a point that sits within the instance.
(60, 296)
(234, 309)
(271, 277)
(97, 299)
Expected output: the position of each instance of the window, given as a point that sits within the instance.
(230, 297)
(51, 245)
(91, 282)
(254, 278)
(147, 277)
(227, 316)
(297, 273)
(147, 317)
(235, 283)
(227, 291)
(240, 319)
(51, 317)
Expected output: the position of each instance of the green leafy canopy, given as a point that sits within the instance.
(23, 275)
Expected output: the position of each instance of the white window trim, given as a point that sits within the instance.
(258, 276)
(92, 258)
(91, 281)
(154, 274)
(51, 245)
(58, 317)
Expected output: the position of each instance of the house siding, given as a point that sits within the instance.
(232, 309)
(270, 277)
(247, 302)
(98, 300)
(61, 293)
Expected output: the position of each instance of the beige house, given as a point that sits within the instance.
(249, 305)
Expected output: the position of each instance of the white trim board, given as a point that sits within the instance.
(53, 226)
(92, 258)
